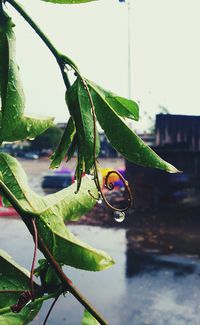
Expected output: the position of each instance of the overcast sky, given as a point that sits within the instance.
(165, 54)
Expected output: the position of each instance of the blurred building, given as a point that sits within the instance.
(148, 138)
(178, 131)
(106, 149)
(177, 140)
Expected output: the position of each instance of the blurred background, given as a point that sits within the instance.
(147, 51)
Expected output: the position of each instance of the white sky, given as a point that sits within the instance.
(165, 53)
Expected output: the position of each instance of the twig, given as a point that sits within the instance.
(37, 300)
(35, 237)
(66, 282)
(50, 309)
(58, 56)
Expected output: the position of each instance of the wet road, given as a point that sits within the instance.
(140, 289)
(143, 287)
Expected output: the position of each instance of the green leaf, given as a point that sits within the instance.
(15, 277)
(72, 148)
(64, 144)
(88, 319)
(51, 211)
(48, 276)
(80, 168)
(13, 124)
(122, 106)
(123, 139)
(80, 109)
(71, 2)
(3, 55)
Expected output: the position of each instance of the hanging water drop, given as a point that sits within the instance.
(99, 200)
(119, 216)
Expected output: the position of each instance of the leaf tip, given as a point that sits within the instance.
(171, 169)
(106, 262)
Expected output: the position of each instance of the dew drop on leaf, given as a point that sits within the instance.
(119, 216)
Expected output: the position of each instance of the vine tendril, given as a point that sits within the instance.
(50, 309)
(110, 186)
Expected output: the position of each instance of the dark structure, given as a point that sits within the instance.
(106, 149)
(178, 131)
(177, 140)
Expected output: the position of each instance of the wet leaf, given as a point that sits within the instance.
(48, 276)
(72, 148)
(51, 212)
(88, 319)
(123, 139)
(64, 144)
(80, 109)
(122, 106)
(14, 125)
(15, 277)
(80, 169)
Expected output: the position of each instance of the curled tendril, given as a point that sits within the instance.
(94, 197)
(110, 186)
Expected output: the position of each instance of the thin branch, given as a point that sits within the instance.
(67, 283)
(30, 21)
(50, 309)
(1, 7)
(37, 300)
(14, 202)
(35, 237)
(61, 59)
(11, 291)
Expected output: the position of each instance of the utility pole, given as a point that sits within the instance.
(129, 50)
(129, 67)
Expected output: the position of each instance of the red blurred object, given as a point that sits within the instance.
(7, 212)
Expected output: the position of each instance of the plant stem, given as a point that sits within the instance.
(50, 309)
(14, 202)
(61, 59)
(66, 282)
(1, 7)
(37, 300)
(35, 237)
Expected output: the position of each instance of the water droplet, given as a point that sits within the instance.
(119, 216)
(12, 86)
